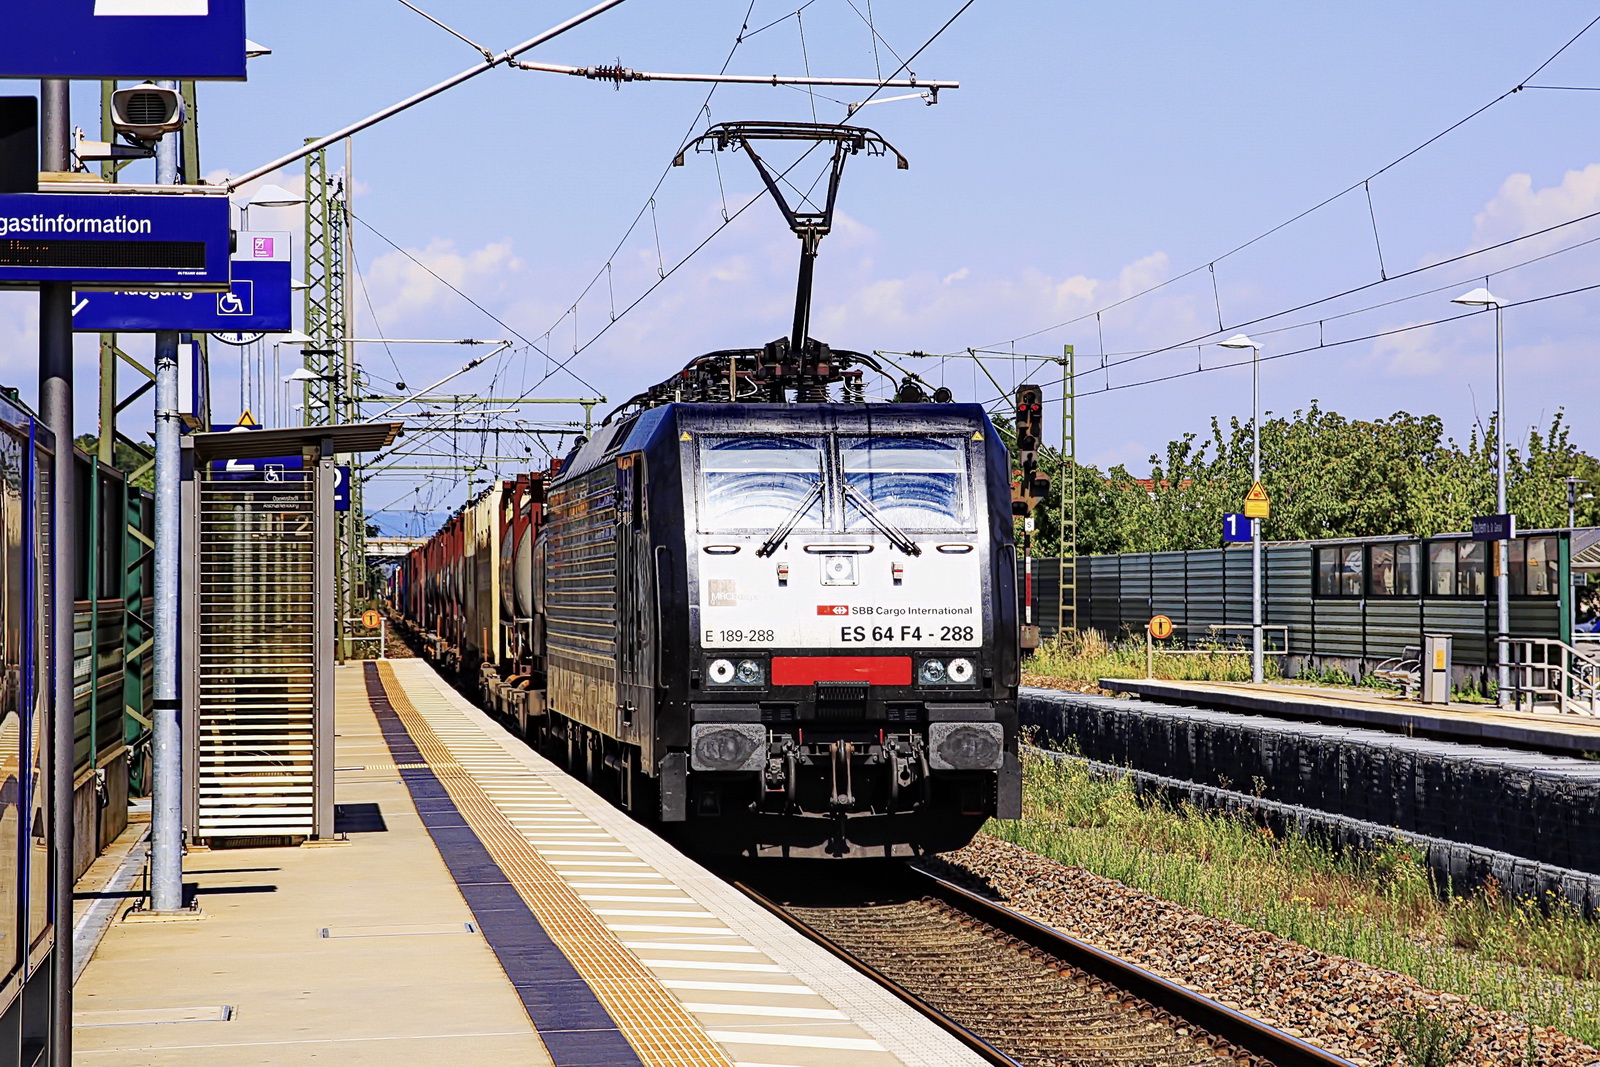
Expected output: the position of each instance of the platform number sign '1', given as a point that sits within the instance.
(1235, 528)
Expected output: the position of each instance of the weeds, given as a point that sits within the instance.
(1427, 1038)
(1087, 656)
(1538, 959)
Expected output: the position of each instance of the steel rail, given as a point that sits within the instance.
(1238, 1029)
(1251, 1035)
(977, 1044)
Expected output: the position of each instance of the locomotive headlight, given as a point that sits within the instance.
(932, 672)
(960, 670)
(721, 671)
(749, 672)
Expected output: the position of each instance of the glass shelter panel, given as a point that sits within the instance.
(1380, 576)
(1327, 572)
(1408, 570)
(1517, 568)
(1350, 569)
(1544, 566)
(1442, 568)
(1471, 568)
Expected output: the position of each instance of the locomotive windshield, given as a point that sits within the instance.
(918, 483)
(756, 483)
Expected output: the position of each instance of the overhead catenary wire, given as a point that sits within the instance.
(880, 86)
(1320, 346)
(1360, 183)
(489, 63)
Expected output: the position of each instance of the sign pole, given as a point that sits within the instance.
(55, 408)
(166, 807)
(1256, 666)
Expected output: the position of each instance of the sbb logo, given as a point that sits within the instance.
(833, 609)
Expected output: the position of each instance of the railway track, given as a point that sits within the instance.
(1015, 991)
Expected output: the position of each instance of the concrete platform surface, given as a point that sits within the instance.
(1483, 724)
(259, 979)
(487, 908)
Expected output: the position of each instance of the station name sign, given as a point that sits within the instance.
(115, 241)
(122, 39)
(1494, 527)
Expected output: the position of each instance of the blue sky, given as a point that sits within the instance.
(1093, 151)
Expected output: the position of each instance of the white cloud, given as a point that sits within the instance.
(1518, 207)
(1412, 354)
(404, 292)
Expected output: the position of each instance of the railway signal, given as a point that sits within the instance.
(1029, 485)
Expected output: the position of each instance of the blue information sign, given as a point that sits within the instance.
(114, 240)
(122, 39)
(273, 470)
(260, 469)
(1235, 527)
(258, 299)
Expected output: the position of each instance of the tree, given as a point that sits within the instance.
(1327, 476)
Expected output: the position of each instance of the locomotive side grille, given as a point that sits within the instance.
(254, 723)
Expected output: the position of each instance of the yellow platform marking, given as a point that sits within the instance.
(653, 1021)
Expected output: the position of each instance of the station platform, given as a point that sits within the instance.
(485, 908)
(1475, 723)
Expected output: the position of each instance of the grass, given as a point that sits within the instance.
(1082, 658)
(1086, 657)
(1537, 960)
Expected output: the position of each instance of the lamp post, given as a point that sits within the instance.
(1481, 297)
(1239, 340)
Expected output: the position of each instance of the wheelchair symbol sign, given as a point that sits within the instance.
(240, 300)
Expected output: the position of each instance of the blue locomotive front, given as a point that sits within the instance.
(790, 629)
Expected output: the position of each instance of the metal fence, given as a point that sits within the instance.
(1206, 590)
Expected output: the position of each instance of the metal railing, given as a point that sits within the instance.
(1213, 630)
(1546, 671)
(382, 636)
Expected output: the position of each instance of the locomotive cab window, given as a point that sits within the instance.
(916, 483)
(756, 483)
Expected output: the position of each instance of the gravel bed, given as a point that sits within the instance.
(1337, 1003)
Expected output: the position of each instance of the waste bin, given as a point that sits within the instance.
(1436, 668)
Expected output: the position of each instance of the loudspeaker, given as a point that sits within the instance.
(19, 144)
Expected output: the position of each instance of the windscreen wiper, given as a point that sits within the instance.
(770, 545)
(895, 535)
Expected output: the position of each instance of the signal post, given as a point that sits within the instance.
(1029, 487)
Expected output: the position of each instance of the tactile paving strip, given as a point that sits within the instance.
(654, 1022)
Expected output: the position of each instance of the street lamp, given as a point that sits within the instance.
(1481, 297)
(1573, 481)
(1239, 340)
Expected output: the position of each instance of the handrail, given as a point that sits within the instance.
(1551, 669)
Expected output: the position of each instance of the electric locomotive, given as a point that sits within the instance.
(755, 606)
(790, 627)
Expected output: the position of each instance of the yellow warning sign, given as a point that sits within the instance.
(1160, 627)
(1256, 503)
(247, 419)
(371, 619)
(977, 435)
(684, 436)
